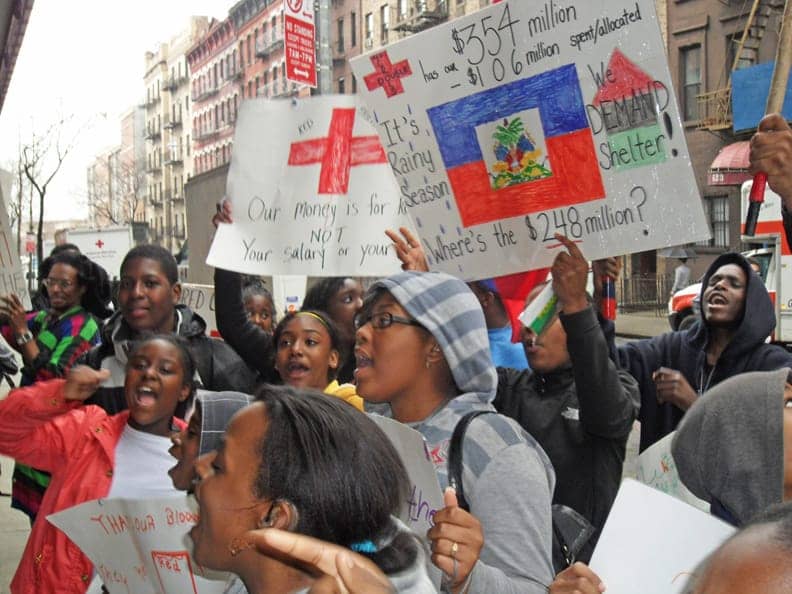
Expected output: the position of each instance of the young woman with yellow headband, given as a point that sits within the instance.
(308, 355)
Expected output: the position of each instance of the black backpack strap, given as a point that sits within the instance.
(455, 455)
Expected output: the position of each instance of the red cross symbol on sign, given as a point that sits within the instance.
(387, 75)
(338, 152)
(99, 243)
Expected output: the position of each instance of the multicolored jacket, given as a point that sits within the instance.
(61, 340)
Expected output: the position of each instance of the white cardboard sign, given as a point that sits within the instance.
(652, 543)
(311, 192)
(12, 277)
(657, 469)
(525, 119)
(139, 545)
(425, 497)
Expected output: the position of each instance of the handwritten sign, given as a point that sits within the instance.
(425, 497)
(311, 190)
(200, 299)
(12, 278)
(657, 469)
(139, 546)
(530, 118)
(652, 543)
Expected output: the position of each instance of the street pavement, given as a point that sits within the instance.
(14, 526)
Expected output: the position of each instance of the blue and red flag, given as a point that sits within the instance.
(571, 172)
(513, 289)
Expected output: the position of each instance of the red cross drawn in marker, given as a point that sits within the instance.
(387, 75)
(99, 243)
(338, 152)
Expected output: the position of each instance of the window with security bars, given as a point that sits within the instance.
(716, 209)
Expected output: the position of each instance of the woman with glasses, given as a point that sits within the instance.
(422, 348)
(51, 340)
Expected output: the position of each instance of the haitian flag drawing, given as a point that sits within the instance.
(538, 156)
(311, 192)
(526, 119)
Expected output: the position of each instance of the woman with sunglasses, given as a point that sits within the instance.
(50, 341)
(422, 349)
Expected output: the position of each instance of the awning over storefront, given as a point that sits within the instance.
(730, 167)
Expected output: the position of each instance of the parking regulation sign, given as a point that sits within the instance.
(300, 35)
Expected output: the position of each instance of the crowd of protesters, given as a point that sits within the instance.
(299, 490)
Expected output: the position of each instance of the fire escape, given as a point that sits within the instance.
(715, 111)
(421, 15)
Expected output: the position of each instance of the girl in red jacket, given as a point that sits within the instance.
(91, 454)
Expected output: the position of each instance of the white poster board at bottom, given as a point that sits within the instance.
(652, 542)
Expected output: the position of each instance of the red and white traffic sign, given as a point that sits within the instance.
(300, 35)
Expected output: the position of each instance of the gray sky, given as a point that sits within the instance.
(85, 58)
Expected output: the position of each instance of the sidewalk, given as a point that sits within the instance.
(642, 324)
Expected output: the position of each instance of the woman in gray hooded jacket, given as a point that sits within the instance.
(422, 348)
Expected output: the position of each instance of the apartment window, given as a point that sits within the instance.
(402, 6)
(340, 36)
(273, 27)
(241, 54)
(341, 85)
(283, 72)
(369, 30)
(716, 209)
(690, 66)
(249, 54)
(384, 23)
(187, 144)
(353, 29)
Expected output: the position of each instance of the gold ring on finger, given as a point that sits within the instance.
(454, 548)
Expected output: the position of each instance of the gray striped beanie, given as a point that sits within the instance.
(449, 310)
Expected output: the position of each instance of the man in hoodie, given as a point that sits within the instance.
(148, 299)
(675, 368)
(734, 446)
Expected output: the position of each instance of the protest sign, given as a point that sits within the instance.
(12, 277)
(657, 469)
(139, 545)
(652, 543)
(425, 496)
(525, 119)
(311, 192)
(200, 299)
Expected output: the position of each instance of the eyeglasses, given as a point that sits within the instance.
(382, 320)
(57, 282)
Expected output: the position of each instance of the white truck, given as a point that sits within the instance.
(769, 247)
(107, 247)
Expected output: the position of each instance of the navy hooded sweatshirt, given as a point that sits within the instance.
(685, 351)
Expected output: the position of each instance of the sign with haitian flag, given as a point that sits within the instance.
(311, 192)
(528, 119)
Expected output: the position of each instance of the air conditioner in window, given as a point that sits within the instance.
(369, 43)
